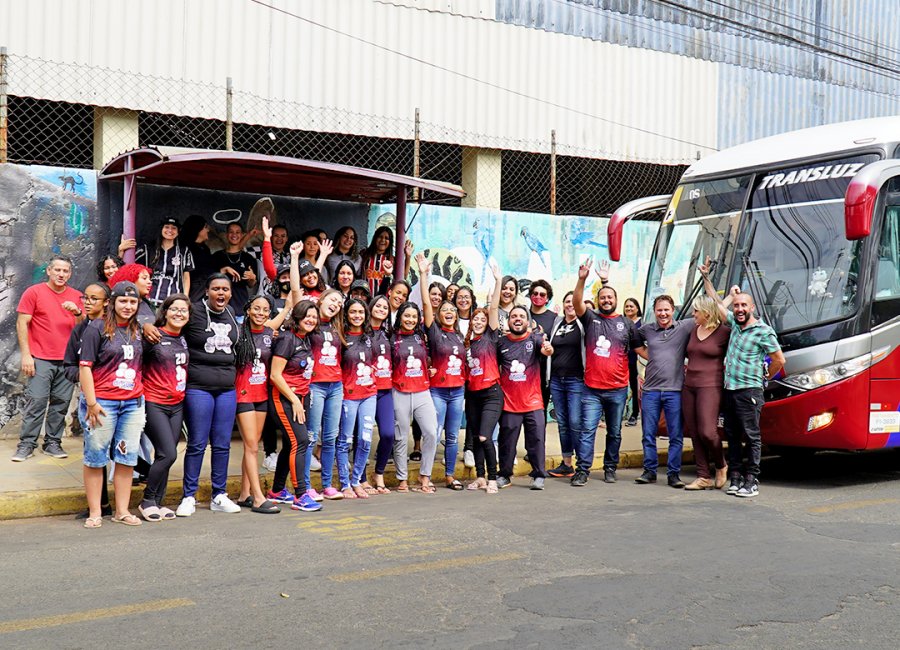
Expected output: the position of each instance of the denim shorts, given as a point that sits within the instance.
(120, 427)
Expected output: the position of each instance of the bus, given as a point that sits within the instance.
(807, 223)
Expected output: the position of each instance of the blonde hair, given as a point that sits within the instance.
(707, 306)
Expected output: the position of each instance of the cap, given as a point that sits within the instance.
(170, 221)
(306, 267)
(282, 269)
(125, 289)
(361, 285)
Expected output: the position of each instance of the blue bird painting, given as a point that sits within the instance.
(535, 245)
(484, 244)
(580, 235)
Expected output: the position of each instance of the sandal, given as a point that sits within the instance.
(477, 484)
(361, 492)
(416, 455)
(381, 489)
(349, 493)
(402, 488)
(93, 522)
(455, 485)
(246, 503)
(150, 513)
(166, 513)
(424, 489)
(369, 489)
(492, 487)
(265, 508)
(127, 520)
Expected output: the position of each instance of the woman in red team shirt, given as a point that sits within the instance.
(292, 369)
(252, 356)
(165, 377)
(484, 397)
(379, 313)
(448, 373)
(112, 401)
(358, 371)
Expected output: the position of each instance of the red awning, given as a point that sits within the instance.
(260, 174)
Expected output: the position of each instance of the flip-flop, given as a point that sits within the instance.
(266, 508)
(349, 493)
(127, 520)
(455, 485)
(370, 490)
(492, 489)
(416, 455)
(403, 488)
(424, 489)
(475, 485)
(381, 489)
(151, 513)
(364, 495)
(93, 522)
(166, 513)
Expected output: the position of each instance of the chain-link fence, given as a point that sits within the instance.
(53, 115)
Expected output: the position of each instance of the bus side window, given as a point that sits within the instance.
(887, 268)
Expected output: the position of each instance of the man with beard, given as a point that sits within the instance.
(746, 375)
(607, 338)
(518, 355)
(663, 344)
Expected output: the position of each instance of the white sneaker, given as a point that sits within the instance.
(270, 461)
(187, 507)
(469, 458)
(315, 465)
(223, 504)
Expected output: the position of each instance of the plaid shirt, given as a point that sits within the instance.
(746, 357)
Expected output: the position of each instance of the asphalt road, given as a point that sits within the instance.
(811, 563)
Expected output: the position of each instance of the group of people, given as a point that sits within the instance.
(252, 334)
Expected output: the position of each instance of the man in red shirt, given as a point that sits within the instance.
(47, 314)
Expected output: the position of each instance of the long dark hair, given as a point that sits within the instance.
(111, 324)
(354, 250)
(366, 326)
(640, 313)
(386, 323)
(397, 321)
(320, 285)
(370, 251)
(507, 279)
(337, 271)
(437, 285)
(164, 307)
(157, 248)
(299, 312)
(115, 258)
(244, 348)
(471, 293)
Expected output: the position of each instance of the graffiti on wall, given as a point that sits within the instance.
(462, 243)
(43, 211)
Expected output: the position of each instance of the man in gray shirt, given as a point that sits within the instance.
(663, 345)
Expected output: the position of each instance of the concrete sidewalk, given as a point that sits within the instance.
(44, 486)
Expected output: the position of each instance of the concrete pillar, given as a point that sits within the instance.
(115, 131)
(481, 173)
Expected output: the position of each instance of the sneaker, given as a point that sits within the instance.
(332, 494)
(562, 471)
(749, 489)
(646, 477)
(675, 481)
(502, 482)
(270, 462)
(579, 480)
(187, 507)
(55, 450)
(223, 504)
(735, 486)
(537, 483)
(23, 453)
(315, 465)
(305, 503)
(280, 497)
(632, 421)
(315, 496)
(609, 476)
(469, 458)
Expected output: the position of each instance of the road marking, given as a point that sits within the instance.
(852, 505)
(419, 567)
(93, 615)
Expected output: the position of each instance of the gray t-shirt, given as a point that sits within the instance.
(666, 349)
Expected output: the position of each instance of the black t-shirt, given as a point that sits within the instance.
(240, 262)
(211, 338)
(73, 352)
(567, 350)
(203, 268)
(545, 320)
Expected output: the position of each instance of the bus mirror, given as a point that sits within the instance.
(859, 206)
(614, 236)
(625, 213)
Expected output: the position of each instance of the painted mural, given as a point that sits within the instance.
(43, 210)
(463, 242)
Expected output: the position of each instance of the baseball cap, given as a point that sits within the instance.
(170, 221)
(282, 269)
(125, 289)
(360, 285)
(306, 267)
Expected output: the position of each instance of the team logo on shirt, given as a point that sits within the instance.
(124, 377)
(529, 346)
(364, 372)
(454, 363)
(413, 365)
(267, 340)
(328, 356)
(475, 369)
(601, 349)
(382, 365)
(257, 371)
(517, 371)
(180, 378)
(620, 327)
(219, 341)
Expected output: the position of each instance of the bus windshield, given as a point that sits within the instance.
(804, 269)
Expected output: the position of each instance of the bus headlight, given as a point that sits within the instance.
(834, 372)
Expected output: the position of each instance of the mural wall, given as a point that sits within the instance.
(528, 246)
(43, 210)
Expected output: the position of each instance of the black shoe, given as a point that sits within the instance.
(646, 477)
(55, 450)
(416, 455)
(632, 421)
(562, 471)
(736, 484)
(579, 480)
(609, 476)
(246, 503)
(675, 482)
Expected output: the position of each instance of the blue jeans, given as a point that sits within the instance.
(361, 412)
(611, 403)
(652, 403)
(325, 400)
(448, 404)
(210, 420)
(121, 427)
(567, 394)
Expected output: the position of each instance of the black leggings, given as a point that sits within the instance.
(270, 435)
(633, 385)
(295, 441)
(483, 408)
(163, 429)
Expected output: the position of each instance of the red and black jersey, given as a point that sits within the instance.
(115, 362)
(326, 347)
(165, 369)
(409, 357)
(607, 340)
(481, 357)
(253, 380)
(298, 371)
(382, 346)
(520, 375)
(448, 350)
(358, 367)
